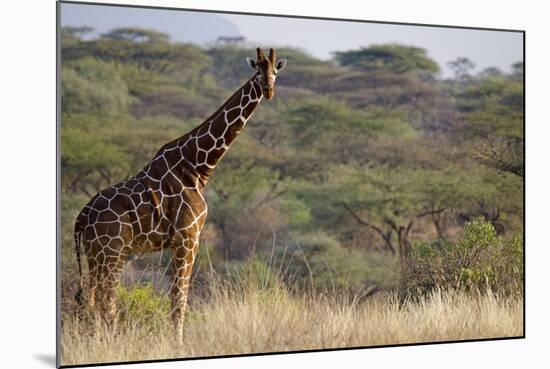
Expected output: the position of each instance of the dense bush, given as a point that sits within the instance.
(143, 304)
(478, 260)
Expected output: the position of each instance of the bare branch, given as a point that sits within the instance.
(430, 212)
(385, 236)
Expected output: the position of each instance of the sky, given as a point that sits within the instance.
(319, 38)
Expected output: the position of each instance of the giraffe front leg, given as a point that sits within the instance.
(184, 256)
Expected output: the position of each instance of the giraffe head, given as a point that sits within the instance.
(267, 69)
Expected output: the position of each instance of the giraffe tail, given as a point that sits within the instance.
(79, 295)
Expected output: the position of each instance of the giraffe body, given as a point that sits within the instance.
(162, 207)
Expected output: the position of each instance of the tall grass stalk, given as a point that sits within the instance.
(253, 317)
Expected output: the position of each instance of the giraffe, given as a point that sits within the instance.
(163, 206)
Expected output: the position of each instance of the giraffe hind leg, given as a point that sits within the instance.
(103, 283)
(93, 280)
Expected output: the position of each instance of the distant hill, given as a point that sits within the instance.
(181, 26)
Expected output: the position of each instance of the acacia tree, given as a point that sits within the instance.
(89, 160)
(149, 50)
(136, 34)
(461, 68)
(71, 35)
(504, 155)
(89, 85)
(392, 201)
(492, 110)
(394, 57)
(387, 202)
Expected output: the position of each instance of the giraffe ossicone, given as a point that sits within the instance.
(162, 206)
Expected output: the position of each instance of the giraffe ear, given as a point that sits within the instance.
(251, 62)
(281, 64)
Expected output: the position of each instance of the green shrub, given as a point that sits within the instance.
(142, 304)
(478, 260)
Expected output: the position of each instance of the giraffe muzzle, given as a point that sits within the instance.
(269, 91)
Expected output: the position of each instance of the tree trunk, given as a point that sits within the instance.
(404, 244)
(436, 218)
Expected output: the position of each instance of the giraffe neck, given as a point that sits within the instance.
(203, 147)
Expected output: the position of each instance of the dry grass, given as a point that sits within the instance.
(236, 322)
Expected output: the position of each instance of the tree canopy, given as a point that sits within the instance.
(355, 163)
(393, 58)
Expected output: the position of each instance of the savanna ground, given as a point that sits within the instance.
(255, 320)
(371, 202)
